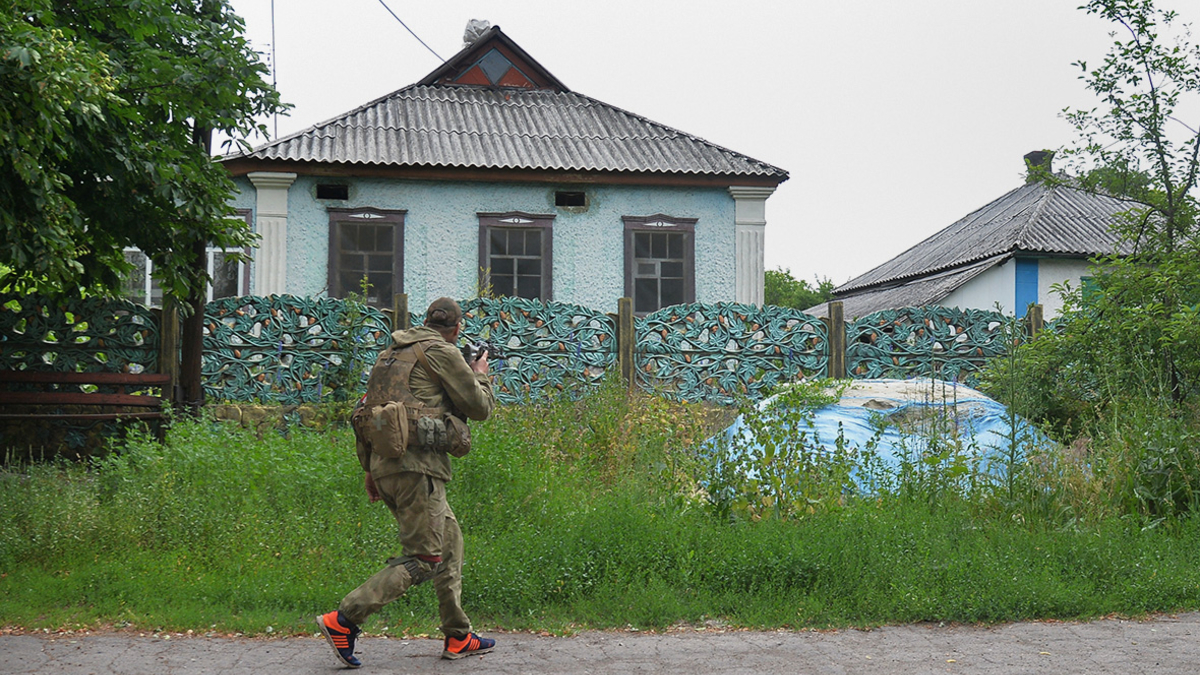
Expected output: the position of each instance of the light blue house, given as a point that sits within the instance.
(489, 172)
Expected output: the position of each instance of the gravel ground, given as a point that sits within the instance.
(1160, 644)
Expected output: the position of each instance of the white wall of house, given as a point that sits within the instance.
(986, 290)
(1053, 271)
(997, 285)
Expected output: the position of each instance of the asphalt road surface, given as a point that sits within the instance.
(1161, 644)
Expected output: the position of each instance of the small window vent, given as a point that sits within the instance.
(570, 199)
(341, 192)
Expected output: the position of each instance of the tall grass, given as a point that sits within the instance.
(597, 512)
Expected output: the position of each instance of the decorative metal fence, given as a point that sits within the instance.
(940, 342)
(720, 352)
(77, 335)
(293, 350)
(289, 349)
(549, 346)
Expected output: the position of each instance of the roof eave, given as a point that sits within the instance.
(893, 282)
(242, 165)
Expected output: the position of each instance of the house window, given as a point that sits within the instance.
(366, 244)
(660, 258)
(140, 286)
(515, 255)
(229, 277)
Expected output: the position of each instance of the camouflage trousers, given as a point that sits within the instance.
(428, 529)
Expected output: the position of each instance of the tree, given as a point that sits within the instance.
(1120, 378)
(1131, 337)
(781, 289)
(1142, 308)
(1136, 140)
(106, 109)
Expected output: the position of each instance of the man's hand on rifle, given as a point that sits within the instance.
(480, 365)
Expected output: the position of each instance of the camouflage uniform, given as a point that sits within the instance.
(414, 489)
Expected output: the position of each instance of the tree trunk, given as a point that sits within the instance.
(192, 328)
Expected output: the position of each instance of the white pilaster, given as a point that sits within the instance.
(271, 210)
(750, 216)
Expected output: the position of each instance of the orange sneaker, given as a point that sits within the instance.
(340, 634)
(467, 645)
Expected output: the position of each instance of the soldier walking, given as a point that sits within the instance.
(420, 393)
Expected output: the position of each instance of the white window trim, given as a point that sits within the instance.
(149, 283)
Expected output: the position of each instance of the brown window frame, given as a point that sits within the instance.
(518, 220)
(661, 223)
(372, 216)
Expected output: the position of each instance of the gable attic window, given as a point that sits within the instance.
(496, 70)
(566, 198)
(660, 261)
(336, 192)
(515, 255)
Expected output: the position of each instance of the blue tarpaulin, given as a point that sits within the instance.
(900, 417)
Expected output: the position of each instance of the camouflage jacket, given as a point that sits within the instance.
(467, 394)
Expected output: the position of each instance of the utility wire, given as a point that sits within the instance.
(389, 9)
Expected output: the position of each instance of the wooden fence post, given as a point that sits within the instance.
(1035, 320)
(400, 320)
(835, 324)
(625, 339)
(168, 348)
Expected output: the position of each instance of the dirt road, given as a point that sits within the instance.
(1164, 644)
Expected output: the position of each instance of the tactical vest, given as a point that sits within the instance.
(389, 381)
(388, 413)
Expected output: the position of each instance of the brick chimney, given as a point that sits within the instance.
(1038, 162)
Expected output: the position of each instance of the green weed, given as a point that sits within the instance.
(596, 511)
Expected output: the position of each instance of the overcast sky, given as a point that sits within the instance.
(895, 118)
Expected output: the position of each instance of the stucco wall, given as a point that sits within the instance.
(998, 284)
(441, 237)
(1051, 272)
(984, 291)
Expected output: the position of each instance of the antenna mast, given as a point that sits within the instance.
(274, 65)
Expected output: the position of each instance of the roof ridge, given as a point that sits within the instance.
(1038, 210)
(488, 133)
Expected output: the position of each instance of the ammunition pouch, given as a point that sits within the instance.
(389, 429)
(458, 436)
(431, 433)
(445, 433)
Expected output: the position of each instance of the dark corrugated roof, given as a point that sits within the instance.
(928, 290)
(491, 128)
(1035, 218)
